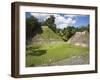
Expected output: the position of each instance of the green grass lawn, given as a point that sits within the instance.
(53, 52)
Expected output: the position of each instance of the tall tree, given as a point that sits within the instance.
(31, 25)
(83, 28)
(68, 32)
(50, 22)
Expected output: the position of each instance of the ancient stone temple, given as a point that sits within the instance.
(80, 38)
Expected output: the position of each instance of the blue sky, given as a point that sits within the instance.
(82, 20)
(62, 20)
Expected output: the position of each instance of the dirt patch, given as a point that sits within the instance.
(75, 60)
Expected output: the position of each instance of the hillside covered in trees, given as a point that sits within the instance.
(34, 27)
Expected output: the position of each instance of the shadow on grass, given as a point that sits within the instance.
(33, 47)
(38, 52)
(35, 51)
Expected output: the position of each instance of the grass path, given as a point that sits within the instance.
(49, 53)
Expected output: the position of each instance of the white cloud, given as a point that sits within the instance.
(69, 20)
(62, 26)
(40, 17)
(60, 21)
(74, 21)
(71, 16)
(63, 22)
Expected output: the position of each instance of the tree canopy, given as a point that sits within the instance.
(32, 25)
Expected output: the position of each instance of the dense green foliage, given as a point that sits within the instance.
(66, 33)
(50, 22)
(83, 28)
(32, 25)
